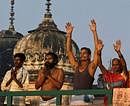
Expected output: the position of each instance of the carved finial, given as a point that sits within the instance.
(48, 4)
(11, 26)
(48, 13)
(48, 22)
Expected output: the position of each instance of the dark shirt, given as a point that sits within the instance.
(83, 80)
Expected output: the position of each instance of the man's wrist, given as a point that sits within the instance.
(118, 51)
(69, 36)
(8, 82)
(99, 52)
(69, 33)
(94, 31)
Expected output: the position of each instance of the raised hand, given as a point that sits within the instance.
(117, 45)
(13, 77)
(45, 72)
(13, 74)
(92, 25)
(69, 28)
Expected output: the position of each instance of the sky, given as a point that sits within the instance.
(112, 17)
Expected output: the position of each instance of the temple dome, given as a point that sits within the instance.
(47, 37)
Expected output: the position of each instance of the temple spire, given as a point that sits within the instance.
(48, 13)
(47, 23)
(11, 26)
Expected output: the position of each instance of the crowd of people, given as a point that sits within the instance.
(52, 78)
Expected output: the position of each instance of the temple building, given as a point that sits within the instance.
(8, 39)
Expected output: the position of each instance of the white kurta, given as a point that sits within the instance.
(22, 76)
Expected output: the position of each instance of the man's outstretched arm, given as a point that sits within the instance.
(72, 59)
(93, 65)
